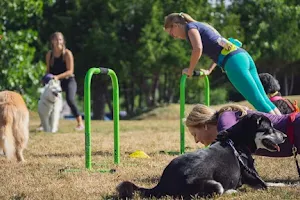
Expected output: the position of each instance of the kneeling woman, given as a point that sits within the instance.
(204, 123)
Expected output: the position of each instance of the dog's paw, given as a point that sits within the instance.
(126, 189)
(270, 184)
(231, 191)
(261, 186)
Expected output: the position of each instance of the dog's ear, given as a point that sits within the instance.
(257, 118)
(51, 81)
(222, 135)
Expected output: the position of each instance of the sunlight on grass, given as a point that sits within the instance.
(55, 163)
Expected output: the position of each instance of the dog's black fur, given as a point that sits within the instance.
(206, 171)
(271, 85)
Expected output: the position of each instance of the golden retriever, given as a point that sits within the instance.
(14, 125)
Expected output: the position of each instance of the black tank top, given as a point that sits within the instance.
(59, 65)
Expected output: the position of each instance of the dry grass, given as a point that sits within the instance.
(43, 175)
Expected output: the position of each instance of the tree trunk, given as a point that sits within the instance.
(131, 96)
(161, 90)
(126, 98)
(146, 92)
(155, 83)
(166, 89)
(98, 99)
(172, 84)
(108, 99)
(140, 92)
(285, 85)
(291, 84)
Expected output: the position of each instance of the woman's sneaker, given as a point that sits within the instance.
(40, 128)
(79, 128)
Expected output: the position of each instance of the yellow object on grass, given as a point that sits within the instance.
(139, 154)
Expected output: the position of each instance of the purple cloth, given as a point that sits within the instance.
(209, 39)
(47, 78)
(229, 118)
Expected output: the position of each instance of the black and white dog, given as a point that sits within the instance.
(221, 168)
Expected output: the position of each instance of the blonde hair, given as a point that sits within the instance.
(52, 37)
(183, 18)
(202, 114)
(177, 18)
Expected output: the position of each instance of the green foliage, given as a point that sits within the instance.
(18, 71)
(17, 14)
(195, 93)
(271, 29)
(218, 96)
(128, 37)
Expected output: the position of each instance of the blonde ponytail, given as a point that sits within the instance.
(177, 18)
(187, 17)
(202, 114)
(211, 27)
(183, 18)
(233, 107)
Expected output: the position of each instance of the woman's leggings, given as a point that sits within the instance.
(70, 87)
(242, 73)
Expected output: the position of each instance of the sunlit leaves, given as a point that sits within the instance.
(18, 21)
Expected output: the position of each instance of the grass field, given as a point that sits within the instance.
(44, 175)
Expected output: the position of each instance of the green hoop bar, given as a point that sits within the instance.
(182, 104)
(87, 113)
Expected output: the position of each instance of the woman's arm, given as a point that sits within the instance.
(197, 46)
(210, 69)
(69, 65)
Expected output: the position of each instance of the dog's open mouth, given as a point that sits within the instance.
(55, 94)
(270, 145)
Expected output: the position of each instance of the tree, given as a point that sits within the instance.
(271, 31)
(18, 70)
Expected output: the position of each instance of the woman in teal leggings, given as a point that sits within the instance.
(235, 61)
(242, 73)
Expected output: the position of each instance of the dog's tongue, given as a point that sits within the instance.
(277, 147)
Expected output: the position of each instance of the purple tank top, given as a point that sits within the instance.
(209, 39)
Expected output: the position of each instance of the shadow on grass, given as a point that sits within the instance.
(153, 180)
(21, 196)
(171, 153)
(174, 153)
(110, 197)
(69, 155)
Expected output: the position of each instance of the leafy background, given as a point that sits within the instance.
(128, 37)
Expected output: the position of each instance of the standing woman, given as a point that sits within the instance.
(60, 63)
(235, 61)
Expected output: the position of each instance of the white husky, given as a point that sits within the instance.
(50, 106)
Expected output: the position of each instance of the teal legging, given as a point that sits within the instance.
(242, 73)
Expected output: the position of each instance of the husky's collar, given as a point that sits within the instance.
(51, 102)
